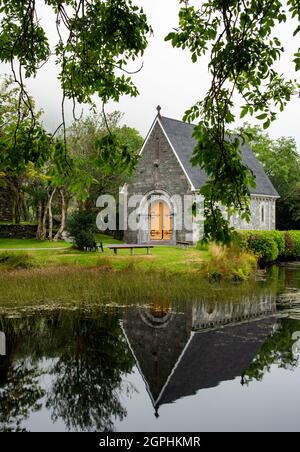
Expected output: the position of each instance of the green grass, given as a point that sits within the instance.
(107, 239)
(23, 223)
(70, 277)
(44, 288)
(170, 259)
(166, 259)
(15, 244)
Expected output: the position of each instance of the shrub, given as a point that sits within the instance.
(279, 237)
(82, 227)
(271, 245)
(17, 261)
(292, 240)
(289, 245)
(85, 240)
(264, 244)
(230, 263)
(201, 246)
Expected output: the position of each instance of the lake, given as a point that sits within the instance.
(199, 365)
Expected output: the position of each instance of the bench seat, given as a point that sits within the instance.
(115, 248)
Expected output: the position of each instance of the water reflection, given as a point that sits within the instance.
(177, 356)
(83, 359)
(77, 370)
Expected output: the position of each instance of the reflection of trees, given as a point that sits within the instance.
(20, 394)
(86, 357)
(85, 392)
(20, 391)
(278, 349)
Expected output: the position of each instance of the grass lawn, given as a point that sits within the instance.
(170, 259)
(15, 244)
(65, 277)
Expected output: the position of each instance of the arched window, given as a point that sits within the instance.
(263, 216)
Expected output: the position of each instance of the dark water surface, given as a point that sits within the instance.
(196, 366)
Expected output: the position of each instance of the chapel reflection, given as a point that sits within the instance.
(180, 353)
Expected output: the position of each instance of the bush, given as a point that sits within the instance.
(269, 246)
(85, 240)
(292, 241)
(264, 247)
(82, 227)
(229, 263)
(264, 244)
(17, 261)
(279, 237)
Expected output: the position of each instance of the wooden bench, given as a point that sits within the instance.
(115, 248)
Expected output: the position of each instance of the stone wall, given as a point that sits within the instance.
(263, 215)
(17, 231)
(158, 171)
(6, 204)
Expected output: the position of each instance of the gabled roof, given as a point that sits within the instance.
(175, 361)
(180, 135)
(216, 356)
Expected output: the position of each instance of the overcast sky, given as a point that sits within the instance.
(168, 78)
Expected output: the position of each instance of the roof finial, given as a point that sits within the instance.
(158, 110)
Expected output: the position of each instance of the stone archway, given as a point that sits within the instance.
(157, 213)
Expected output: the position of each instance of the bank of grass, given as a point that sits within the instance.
(71, 286)
(214, 262)
(229, 263)
(37, 254)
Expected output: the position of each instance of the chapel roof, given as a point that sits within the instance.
(181, 137)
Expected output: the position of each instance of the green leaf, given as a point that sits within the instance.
(262, 116)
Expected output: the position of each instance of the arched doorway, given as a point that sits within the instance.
(160, 221)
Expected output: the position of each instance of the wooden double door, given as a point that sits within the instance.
(160, 219)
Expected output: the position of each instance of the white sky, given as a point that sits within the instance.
(168, 78)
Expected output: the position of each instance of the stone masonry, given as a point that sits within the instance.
(164, 170)
(158, 170)
(6, 204)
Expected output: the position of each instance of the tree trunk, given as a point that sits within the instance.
(24, 207)
(44, 219)
(43, 208)
(50, 236)
(15, 186)
(39, 213)
(63, 217)
(17, 209)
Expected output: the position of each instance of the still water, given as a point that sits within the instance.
(196, 366)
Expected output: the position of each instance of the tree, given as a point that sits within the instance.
(281, 162)
(87, 376)
(102, 36)
(21, 142)
(97, 162)
(277, 350)
(239, 37)
(86, 356)
(104, 161)
(95, 41)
